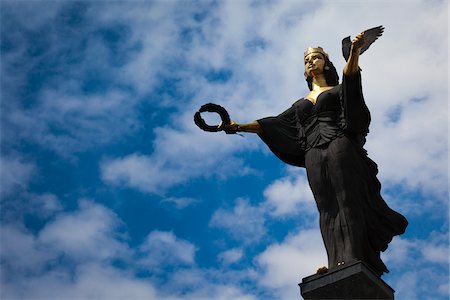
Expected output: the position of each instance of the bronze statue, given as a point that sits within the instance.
(325, 132)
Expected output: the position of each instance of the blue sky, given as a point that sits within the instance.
(109, 190)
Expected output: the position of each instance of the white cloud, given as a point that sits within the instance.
(23, 204)
(89, 282)
(71, 258)
(436, 248)
(178, 155)
(230, 256)
(221, 292)
(75, 121)
(415, 205)
(444, 289)
(210, 284)
(27, 16)
(21, 252)
(436, 253)
(74, 257)
(15, 175)
(180, 202)
(164, 248)
(243, 222)
(289, 196)
(419, 263)
(142, 71)
(140, 172)
(58, 68)
(284, 264)
(407, 285)
(398, 251)
(432, 249)
(44, 205)
(87, 234)
(415, 282)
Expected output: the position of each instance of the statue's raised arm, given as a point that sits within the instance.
(352, 49)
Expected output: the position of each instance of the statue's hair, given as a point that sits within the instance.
(331, 75)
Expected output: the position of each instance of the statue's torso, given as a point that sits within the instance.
(320, 121)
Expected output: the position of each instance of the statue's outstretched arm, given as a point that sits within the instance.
(253, 127)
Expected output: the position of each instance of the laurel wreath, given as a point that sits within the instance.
(215, 108)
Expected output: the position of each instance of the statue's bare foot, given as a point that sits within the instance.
(322, 270)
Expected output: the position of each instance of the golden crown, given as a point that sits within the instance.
(315, 50)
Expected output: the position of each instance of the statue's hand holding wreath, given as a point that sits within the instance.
(232, 127)
(227, 125)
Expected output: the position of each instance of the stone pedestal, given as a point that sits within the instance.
(350, 281)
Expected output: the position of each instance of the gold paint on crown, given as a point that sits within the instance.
(315, 50)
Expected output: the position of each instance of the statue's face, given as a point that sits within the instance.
(314, 64)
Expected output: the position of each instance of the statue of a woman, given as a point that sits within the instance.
(325, 133)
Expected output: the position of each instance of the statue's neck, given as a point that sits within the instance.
(319, 82)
